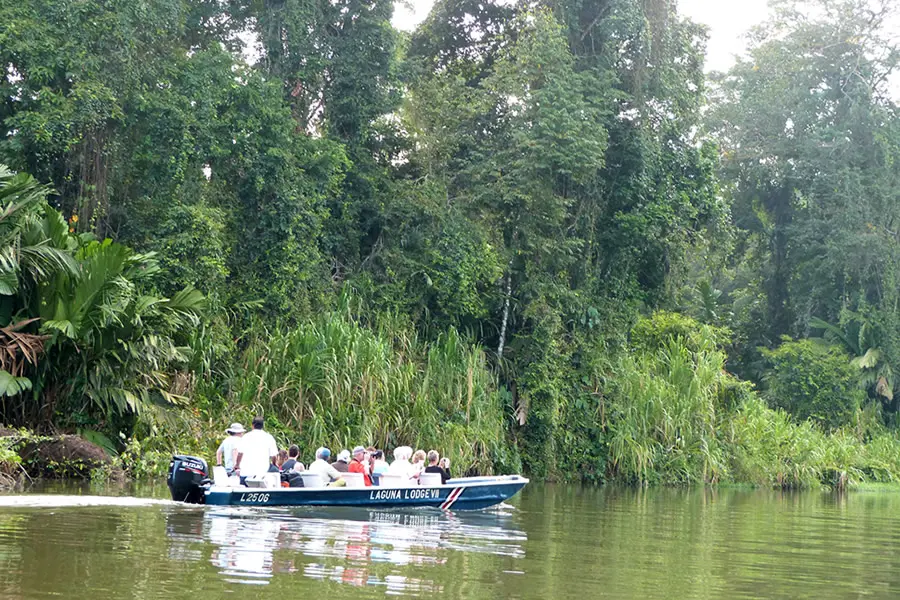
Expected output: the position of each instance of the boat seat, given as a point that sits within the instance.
(430, 479)
(394, 481)
(255, 481)
(354, 480)
(267, 481)
(312, 480)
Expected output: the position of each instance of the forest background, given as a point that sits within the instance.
(532, 235)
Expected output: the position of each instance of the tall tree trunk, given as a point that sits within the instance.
(505, 314)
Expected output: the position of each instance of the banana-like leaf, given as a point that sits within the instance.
(834, 334)
(869, 360)
(11, 385)
(99, 439)
(9, 283)
(189, 299)
(67, 328)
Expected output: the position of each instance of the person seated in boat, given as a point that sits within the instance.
(418, 462)
(434, 467)
(321, 467)
(360, 464)
(256, 452)
(292, 464)
(379, 466)
(445, 465)
(401, 465)
(279, 460)
(291, 469)
(342, 464)
(226, 454)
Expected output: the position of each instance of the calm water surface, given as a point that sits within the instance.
(551, 542)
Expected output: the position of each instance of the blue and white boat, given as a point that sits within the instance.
(189, 481)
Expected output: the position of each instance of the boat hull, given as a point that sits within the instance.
(456, 494)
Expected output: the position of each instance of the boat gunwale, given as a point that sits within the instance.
(479, 482)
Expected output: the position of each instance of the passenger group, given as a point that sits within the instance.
(255, 453)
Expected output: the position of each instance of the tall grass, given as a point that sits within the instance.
(334, 381)
(766, 447)
(674, 417)
(663, 414)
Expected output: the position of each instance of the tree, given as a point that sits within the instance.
(810, 140)
(814, 382)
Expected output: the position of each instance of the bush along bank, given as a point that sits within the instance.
(669, 413)
(672, 414)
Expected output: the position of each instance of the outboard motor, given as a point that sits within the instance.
(188, 479)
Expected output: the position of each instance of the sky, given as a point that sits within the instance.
(728, 21)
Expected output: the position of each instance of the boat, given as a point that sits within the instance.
(189, 482)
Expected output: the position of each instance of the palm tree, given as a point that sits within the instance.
(32, 248)
(76, 323)
(858, 338)
(34, 242)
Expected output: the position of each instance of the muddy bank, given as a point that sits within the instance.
(57, 457)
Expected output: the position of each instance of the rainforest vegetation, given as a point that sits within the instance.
(535, 235)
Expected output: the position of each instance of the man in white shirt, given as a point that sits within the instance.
(256, 452)
(321, 467)
(228, 449)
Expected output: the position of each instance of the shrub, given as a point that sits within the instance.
(813, 381)
(653, 332)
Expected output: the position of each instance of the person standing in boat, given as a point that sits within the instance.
(321, 467)
(434, 467)
(257, 451)
(360, 464)
(228, 449)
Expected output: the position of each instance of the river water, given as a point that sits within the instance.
(553, 542)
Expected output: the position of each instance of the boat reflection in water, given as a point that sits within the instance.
(353, 546)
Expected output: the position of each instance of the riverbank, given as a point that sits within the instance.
(662, 410)
(26, 456)
(757, 448)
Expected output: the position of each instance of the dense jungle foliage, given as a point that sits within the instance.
(533, 235)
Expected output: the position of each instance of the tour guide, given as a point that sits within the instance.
(256, 452)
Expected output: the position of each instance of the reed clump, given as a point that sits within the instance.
(676, 416)
(337, 382)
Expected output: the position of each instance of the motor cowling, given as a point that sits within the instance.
(188, 479)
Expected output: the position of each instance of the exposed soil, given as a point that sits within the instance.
(65, 456)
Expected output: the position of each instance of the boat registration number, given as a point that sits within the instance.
(254, 497)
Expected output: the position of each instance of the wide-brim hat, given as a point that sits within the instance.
(235, 428)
